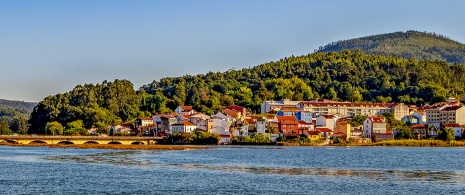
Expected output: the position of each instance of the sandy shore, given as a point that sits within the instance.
(115, 146)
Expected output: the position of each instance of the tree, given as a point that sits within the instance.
(55, 128)
(4, 129)
(405, 133)
(332, 94)
(19, 125)
(358, 120)
(76, 127)
(446, 134)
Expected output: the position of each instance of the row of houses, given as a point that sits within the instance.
(318, 118)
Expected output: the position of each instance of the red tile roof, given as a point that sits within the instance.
(328, 116)
(145, 118)
(236, 108)
(417, 126)
(451, 125)
(323, 129)
(451, 108)
(232, 113)
(250, 121)
(347, 104)
(186, 108)
(377, 119)
(185, 123)
(186, 116)
(280, 118)
(313, 132)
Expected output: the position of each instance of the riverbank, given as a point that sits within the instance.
(401, 143)
(114, 146)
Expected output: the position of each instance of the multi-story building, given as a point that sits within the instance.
(399, 110)
(288, 125)
(268, 106)
(444, 113)
(373, 125)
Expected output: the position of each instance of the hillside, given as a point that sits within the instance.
(17, 105)
(347, 76)
(410, 45)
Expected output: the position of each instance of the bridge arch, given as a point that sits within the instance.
(137, 143)
(65, 142)
(9, 141)
(37, 142)
(114, 142)
(91, 142)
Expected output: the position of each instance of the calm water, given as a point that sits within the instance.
(234, 170)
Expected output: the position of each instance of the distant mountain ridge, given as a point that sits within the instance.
(17, 105)
(409, 45)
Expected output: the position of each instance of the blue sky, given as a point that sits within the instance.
(50, 46)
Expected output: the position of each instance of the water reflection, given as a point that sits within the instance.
(136, 158)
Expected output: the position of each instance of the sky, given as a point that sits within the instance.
(50, 46)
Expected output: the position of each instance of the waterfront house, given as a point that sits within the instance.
(454, 126)
(374, 125)
(419, 130)
(433, 131)
(325, 120)
(183, 126)
(166, 122)
(288, 125)
(201, 120)
(313, 135)
(343, 127)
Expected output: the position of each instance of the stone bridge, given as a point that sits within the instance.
(125, 140)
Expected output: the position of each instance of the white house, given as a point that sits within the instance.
(261, 126)
(328, 121)
(187, 110)
(183, 126)
(220, 127)
(421, 116)
(410, 119)
(456, 127)
(374, 125)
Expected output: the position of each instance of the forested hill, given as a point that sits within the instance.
(410, 44)
(347, 76)
(17, 105)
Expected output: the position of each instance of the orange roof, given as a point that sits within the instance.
(452, 108)
(313, 132)
(290, 109)
(451, 125)
(185, 116)
(186, 123)
(328, 116)
(417, 126)
(186, 108)
(377, 119)
(323, 129)
(292, 118)
(236, 108)
(145, 118)
(230, 112)
(347, 104)
(250, 121)
(304, 123)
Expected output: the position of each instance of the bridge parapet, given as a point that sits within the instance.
(126, 140)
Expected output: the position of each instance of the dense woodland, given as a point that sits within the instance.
(410, 45)
(346, 76)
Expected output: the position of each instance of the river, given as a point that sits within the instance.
(233, 170)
